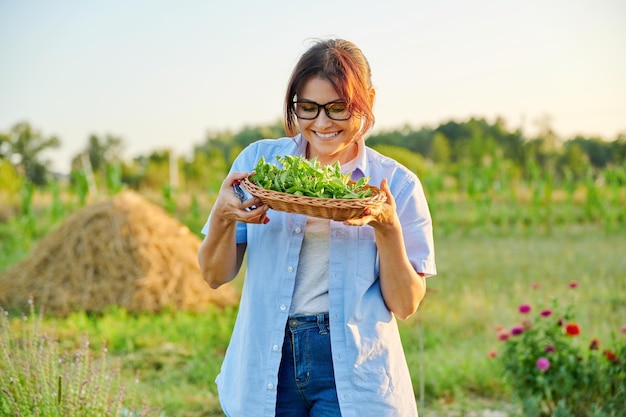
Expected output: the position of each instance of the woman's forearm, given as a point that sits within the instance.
(402, 287)
(219, 256)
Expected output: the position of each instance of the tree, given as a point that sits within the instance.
(412, 160)
(618, 149)
(23, 146)
(251, 134)
(598, 150)
(10, 181)
(440, 149)
(206, 170)
(414, 140)
(102, 152)
(156, 173)
(574, 161)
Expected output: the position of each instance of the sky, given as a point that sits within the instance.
(165, 74)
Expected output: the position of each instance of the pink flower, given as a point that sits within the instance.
(517, 330)
(550, 349)
(546, 313)
(524, 309)
(623, 329)
(543, 364)
(503, 336)
(573, 284)
(534, 285)
(493, 354)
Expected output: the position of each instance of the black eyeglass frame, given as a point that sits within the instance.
(319, 108)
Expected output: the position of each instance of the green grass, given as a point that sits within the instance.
(175, 356)
(482, 281)
(488, 257)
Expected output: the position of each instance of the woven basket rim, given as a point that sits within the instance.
(330, 208)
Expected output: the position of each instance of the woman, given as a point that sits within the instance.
(315, 333)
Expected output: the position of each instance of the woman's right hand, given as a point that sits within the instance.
(228, 206)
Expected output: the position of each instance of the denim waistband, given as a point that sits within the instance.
(300, 321)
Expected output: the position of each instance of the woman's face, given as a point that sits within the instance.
(329, 140)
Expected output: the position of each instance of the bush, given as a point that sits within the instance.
(36, 379)
(553, 373)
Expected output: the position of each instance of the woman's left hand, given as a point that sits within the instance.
(381, 217)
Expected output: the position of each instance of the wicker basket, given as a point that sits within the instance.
(338, 209)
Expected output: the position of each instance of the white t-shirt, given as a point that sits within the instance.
(310, 295)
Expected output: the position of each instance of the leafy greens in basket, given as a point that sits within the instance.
(300, 176)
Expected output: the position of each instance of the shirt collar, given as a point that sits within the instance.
(360, 162)
(300, 145)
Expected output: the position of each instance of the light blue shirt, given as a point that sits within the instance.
(371, 373)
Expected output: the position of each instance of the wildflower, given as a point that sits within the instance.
(610, 355)
(572, 329)
(534, 286)
(493, 354)
(594, 345)
(546, 313)
(503, 336)
(623, 329)
(524, 309)
(543, 364)
(550, 349)
(573, 284)
(517, 330)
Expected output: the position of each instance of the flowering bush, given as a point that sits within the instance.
(38, 379)
(553, 372)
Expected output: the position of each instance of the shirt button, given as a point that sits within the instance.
(283, 307)
(275, 348)
(298, 230)
(270, 386)
(290, 269)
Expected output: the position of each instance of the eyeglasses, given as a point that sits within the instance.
(309, 110)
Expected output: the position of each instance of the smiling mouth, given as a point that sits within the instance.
(327, 135)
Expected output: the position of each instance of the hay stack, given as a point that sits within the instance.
(125, 251)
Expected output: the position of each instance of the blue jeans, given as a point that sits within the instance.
(306, 381)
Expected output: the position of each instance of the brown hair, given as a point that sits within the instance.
(341, 63)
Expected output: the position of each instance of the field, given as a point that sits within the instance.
(491, 258)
